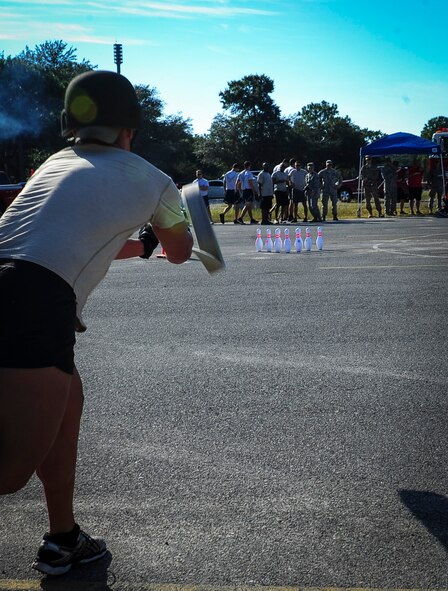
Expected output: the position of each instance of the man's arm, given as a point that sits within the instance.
(176, 241)
(132, 248)
(238, 183)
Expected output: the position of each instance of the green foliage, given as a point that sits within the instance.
(250, 98)
(252, 130)
(221, 146)
(36, 157)
(319, 132)
(251, 126)
(167, 142)
(433, 125)
(32, 88)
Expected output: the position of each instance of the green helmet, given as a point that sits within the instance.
(101, 99)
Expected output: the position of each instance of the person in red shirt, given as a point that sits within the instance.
(415, 178)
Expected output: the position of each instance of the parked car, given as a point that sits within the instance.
(216, 189)
(8, 191)
(348, 191)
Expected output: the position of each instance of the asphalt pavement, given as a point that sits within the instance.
(279, 424)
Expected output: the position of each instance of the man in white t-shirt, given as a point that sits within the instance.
(58, 238)
(280, 180)
(266, 188)
(297, 183)
(203, 190)
(284, 163)
(288, 169)
(231, 195)
(247, 184)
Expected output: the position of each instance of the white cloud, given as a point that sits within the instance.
(219, 50)
(226, 9)
(151, 8)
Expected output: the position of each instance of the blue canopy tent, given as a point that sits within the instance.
(399, 143)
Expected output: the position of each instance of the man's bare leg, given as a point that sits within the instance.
(57, 471)
(32, 408)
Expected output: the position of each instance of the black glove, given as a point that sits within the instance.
(149, 239)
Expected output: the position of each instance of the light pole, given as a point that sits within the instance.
(118, 55)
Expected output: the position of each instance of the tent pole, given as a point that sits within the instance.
(443, 177)
(359, 210)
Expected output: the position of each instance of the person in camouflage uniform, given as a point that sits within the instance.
(389, 174)
(369, 176)
(435, 182)
(331, 180)
(312, 191)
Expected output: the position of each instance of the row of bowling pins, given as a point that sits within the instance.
(277, 244)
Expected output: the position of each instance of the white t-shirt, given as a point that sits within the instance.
(280, 180)
(203, 186)
(77, 211)
(265, 183)
(297, 178)
(230, 180)
(244, 177)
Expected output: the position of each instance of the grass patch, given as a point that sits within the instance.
(346, 211)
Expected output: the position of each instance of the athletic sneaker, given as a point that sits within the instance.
(56, 559)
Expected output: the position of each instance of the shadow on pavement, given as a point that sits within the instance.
(91, 577)
(431, 509)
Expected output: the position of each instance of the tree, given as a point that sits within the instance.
(57, 59)
(433, 125)
(222, 146)
(32, 88)
(249, 97)
(253, 127)
(167, 142)
(319, 132)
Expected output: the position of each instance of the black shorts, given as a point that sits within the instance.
(248, 195)
(415, 193)
(281, 198)
(37, 318)
(231, 197)
(298, 196)
(266, 202)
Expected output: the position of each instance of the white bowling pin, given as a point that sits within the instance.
(269, 244)
(319, 239)
(299, 242)
(278, 240)
(259, 241)
(308, 241)
(287, 241)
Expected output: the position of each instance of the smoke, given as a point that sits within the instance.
(12, 127)
(24, 102)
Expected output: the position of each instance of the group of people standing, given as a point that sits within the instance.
(279, 193)
(400, 184)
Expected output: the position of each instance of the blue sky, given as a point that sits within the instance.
(383, 63)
